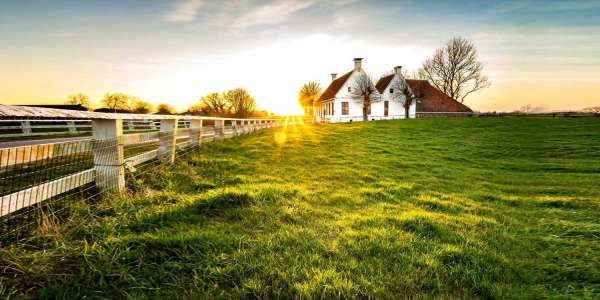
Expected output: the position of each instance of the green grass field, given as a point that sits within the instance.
(429, 208)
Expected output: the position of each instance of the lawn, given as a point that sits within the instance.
(430, 208)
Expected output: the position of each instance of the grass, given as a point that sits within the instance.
(429, 208)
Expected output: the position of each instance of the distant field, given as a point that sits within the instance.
(429, 208)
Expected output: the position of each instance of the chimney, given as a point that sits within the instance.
(333, 76)
(398, 70)
(357, 64)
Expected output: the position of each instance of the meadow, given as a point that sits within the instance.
(431, 208)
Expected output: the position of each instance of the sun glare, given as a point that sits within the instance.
(297, 123)
(273, 73)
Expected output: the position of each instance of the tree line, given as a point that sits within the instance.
(236, 102)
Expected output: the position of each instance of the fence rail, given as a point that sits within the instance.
(33, 174)
(15, 128)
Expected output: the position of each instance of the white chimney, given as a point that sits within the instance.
(398, 70)
(333, 76)
(357, 64)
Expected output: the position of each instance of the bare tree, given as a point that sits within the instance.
(455, 69)
(308, 95)
(364, 89)
(530, 109)
(414, 74)
(409, 98)
(241, 102)
(164, 109)
(212, 104)
(140, 106)
(402, 93)
(593, 109)
(116, 101)
(79, 99)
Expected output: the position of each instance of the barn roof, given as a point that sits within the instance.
(434, 100)
(334, 87)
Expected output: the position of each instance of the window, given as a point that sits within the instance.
(349, 89)
(391, 91)
(369, 109)
(345, 109)
(332, 109)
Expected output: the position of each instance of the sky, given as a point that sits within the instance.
(540, 53)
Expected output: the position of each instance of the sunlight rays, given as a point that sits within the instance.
(296, 126)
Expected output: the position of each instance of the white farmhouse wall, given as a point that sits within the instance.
(396, 107)
(355, 105)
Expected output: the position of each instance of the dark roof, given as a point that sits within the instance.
(60, 106)
(110, 110)
(434, 100)
(334, 87)
(383, 82)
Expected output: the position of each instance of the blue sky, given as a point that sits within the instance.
(175, 51)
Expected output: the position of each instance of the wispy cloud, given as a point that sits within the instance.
(184, 11)
(272, 13)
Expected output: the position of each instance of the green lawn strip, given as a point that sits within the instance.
(429, 208)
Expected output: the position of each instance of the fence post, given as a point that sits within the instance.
(220, 128)
(108, 154)
(26, 128)
(233, 129)
(167, 138)
(71, 127)
(196, 132)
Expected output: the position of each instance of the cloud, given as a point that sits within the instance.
(272, 13)
(184, 11)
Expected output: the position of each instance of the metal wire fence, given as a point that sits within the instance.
(38, 183)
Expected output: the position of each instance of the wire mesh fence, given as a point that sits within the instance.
(38, 183)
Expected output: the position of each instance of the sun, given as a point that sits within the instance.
(282, 108)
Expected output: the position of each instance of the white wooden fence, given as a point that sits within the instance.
(107, 145)
(16, 128)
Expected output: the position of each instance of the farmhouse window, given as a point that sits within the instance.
(332, 109)
(345, 109)
(369, 109)
(391, 91)
(349, 89)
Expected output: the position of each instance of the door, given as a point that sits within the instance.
(386, 107)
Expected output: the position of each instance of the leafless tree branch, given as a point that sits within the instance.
(455, 69)
(363, 88)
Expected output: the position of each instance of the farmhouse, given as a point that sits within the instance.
(388, 99)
